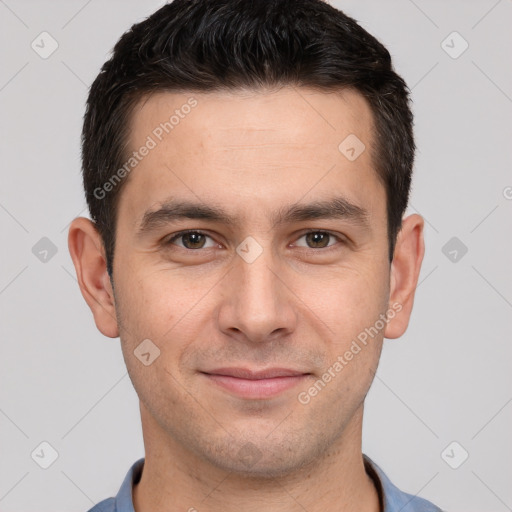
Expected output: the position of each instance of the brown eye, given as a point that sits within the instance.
(193, 240)
(317, 239)
(190, 240)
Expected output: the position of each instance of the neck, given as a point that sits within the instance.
(174, 479)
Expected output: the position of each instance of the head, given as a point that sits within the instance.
(279, 136)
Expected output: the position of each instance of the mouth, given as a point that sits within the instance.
(259, 384)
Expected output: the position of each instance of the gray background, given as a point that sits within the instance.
(447, 379)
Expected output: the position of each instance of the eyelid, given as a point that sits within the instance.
(338, 237)
(179, 234)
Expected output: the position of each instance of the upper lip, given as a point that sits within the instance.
(244, 373)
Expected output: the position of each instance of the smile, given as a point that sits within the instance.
(255, 385)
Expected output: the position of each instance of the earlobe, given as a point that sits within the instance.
(405, 270)
(86, 249)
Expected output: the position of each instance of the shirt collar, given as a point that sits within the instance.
(390, 497)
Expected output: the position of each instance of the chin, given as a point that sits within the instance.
(262, 460)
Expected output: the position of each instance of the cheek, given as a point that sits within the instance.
(351, 307)
(150, 309)
(143, 314)
(164, 307)
(349, 300)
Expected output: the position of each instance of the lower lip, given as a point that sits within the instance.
(256, 389)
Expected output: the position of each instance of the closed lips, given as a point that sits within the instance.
(243, 373)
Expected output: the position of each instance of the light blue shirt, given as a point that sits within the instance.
(392, 499)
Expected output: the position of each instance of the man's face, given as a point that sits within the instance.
(281, 298)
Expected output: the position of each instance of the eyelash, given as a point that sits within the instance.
(199, 232)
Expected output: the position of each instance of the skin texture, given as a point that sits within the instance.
(297, 305)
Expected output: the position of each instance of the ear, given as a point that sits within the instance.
(405, 270)
(88, 255)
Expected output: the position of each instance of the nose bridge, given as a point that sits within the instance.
(258, 303)
(256, 280)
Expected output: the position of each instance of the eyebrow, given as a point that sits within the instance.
(174, 210)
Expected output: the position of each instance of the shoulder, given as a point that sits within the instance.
(108, 505)
(122, 502)
(393, 498)
(416, 504)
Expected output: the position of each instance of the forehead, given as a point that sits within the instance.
(292, 114)
(250, 148)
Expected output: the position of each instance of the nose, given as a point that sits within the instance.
(258, 303)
